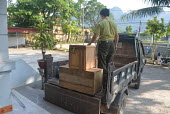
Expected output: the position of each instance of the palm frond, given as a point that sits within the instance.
(158, 2)
(149, 11)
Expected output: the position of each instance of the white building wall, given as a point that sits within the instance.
(14, 41)
(5, 65)
(3, 31)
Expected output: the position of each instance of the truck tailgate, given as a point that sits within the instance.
(73, 101)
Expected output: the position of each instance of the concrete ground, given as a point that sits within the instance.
(151, 98)
(31, 56)
(153, 95)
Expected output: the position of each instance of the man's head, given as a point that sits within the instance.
(104, 12)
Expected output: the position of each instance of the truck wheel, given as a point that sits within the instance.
(121, 107)
(117, 109)
(138, 82)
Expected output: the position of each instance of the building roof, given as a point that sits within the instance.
(21, 30)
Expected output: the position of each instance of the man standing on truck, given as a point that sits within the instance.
(107, 43)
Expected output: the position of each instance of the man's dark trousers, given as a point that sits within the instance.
(105, 53)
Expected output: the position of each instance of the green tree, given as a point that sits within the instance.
(156, 8)
(168, 29)
(156, 29)
(43, 39)
(70, 28)
(129, 29)
(25, 13)
(28, 13)
(92, 10)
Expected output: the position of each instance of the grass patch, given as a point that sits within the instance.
(158, 42)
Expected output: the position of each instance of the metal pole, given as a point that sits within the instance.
(17, 39)
(168, 42)
(83, 24)
(139, 29)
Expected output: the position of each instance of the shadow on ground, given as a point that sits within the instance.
(152, 97)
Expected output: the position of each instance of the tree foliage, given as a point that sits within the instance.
(26, 13)
(157, 7)
(129, 29)
(23, 13)
(43, 39)
(168, 29)
(70, 28)
(68, 13)
(156, 28)
(91, 12)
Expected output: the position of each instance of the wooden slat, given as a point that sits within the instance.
(6, 109)
(77, 87)
(81, 73)
(76, 79)
(90, 58)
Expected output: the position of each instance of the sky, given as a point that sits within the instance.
(125, 5)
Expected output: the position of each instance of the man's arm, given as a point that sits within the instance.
(116, 40)
(93, 38)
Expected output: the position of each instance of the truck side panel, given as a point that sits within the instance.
(73, 101)
(119, 79)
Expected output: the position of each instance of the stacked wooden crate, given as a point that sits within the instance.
(81, 74)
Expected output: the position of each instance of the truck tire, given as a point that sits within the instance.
(117, 109)
(120, 109)
(137, 85)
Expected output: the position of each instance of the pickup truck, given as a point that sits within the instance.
(125, 69)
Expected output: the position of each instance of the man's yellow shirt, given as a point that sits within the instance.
(106, 29)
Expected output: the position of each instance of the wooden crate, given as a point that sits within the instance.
(82, 57)
(89, 81)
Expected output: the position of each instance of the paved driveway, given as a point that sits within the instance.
(153, 97)
(31, 56)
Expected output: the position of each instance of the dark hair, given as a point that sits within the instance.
(105, 12)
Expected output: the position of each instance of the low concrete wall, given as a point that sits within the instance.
(163, 50)
(23, 74)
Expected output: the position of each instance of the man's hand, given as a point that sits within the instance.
(115, 47)
(93, 39)
(116, 41)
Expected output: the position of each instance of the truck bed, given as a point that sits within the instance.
(80, 103)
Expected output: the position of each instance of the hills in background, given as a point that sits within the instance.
(118, 13)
